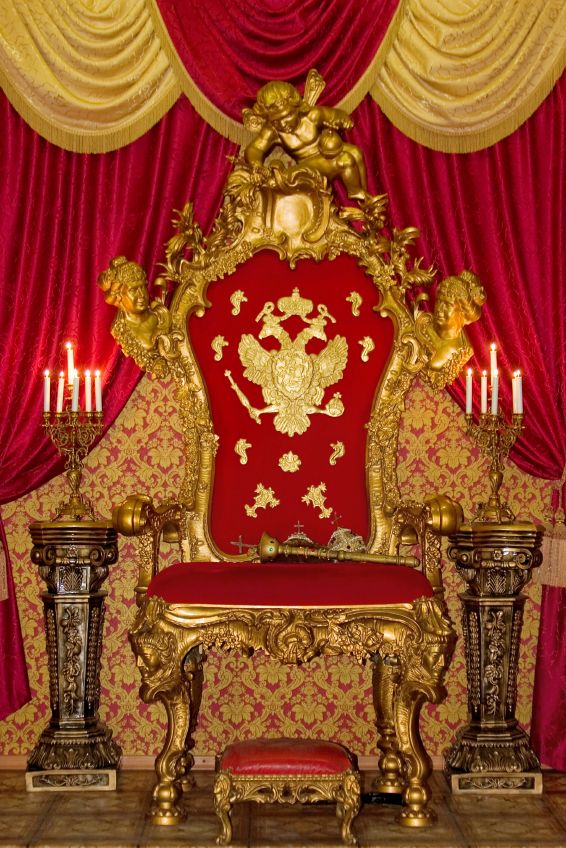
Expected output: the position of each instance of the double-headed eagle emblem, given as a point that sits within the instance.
(292, 380)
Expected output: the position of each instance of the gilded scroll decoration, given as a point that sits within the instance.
(236, 299)
(356, 301)
(71, 623)
(241, 448)
(338, 451)
(315, 496)
(292, 380)
(264, 497)
(217, 344)
(367, 344)
(289, 462)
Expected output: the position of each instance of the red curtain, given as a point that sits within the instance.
(65, 216)
(249, 43)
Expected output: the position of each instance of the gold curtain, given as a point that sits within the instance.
(455, 75)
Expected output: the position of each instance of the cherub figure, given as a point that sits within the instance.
(459, 301)
(124, 284)
(309, 133)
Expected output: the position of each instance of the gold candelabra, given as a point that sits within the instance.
(72, 433)
(495, 438)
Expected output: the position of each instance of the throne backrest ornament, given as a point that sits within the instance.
(293, 337)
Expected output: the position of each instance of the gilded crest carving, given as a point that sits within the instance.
(236, 299)
(367, 345)
(289, 462)
(217, 344)
(241, 448)
(292, 380)
(316, 497)
(263, 498)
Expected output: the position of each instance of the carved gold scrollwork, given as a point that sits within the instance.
(241, 448)
(315, 496)
(263, 498)
(338, 451)
(217, 344)
(236, 299)
(289, 462)
(367, 345)
(356, 300)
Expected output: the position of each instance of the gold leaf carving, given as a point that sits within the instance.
(315, 496)
(356, 300)
(263, 498)
(292, 380)
(289, 462)
(236, 299)
(367, 346)
(217, 344)
(338, 450)
(241, 447)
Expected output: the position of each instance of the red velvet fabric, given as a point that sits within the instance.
(289, 584)
(285, 756)
(248, 43)
(64, 217)
(265, 279)
(549, 699)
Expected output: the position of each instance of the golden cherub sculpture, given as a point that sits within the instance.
(307, 132)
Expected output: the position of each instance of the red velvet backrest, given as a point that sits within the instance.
(265, 279)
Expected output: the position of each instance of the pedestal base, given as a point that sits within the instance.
(77, 780)
(497, 783)
(66, 759)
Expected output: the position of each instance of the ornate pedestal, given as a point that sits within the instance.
(75, 751)
(492, 754)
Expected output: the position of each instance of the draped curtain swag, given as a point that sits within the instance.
(454, 75)
(95, 75)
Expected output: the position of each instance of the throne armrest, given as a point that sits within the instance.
(137, 516)
(424, 524)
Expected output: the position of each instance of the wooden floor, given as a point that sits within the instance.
(119, 819)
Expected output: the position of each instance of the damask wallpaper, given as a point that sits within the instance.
(330, 698)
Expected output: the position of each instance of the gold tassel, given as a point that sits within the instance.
(553, 569)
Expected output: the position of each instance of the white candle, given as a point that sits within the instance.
(70, 363)
(493, 360)
(75, 395)
(88, 392)
(46, 391)
(519, 393)
(97, 392)
(494, 392)
(514, 392)
(483, 392)
(60, 391)
(469, 392)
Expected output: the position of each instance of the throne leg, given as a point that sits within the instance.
(416, 811)
(385, 678)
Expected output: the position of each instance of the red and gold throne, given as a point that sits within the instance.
(293, 334)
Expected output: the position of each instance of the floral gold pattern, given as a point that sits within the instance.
(241, 448)
(289, 462)
(338, 451)
(263, 498)
(236, 299)
(316, 497)
(217, 345)
(367, 345)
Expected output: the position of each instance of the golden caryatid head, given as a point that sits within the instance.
(124, 284)
(458, 302)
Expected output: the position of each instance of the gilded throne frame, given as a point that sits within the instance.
(294, 212)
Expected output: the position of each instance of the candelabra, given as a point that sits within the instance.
(495, 438)
(72, 433)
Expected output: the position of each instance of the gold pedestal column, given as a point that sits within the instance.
(492, 754)
(76, 750)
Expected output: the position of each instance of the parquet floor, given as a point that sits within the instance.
(90, 819)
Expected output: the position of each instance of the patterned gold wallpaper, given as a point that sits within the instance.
(251, 697)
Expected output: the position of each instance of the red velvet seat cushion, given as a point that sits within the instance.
(289, 584)
(285, 756)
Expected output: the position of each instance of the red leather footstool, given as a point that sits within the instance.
(287, 771)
